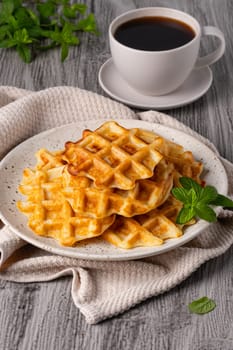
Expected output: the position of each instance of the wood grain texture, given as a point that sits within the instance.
(41, 316)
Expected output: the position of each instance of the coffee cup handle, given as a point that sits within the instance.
(215, 55)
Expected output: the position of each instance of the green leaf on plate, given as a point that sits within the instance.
(181, 194)
(208, 194)
(205, 212)
(223, 201)
(197, 201)
(185, 215)
(189, 183)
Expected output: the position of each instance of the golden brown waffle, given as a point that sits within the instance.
(114, 183)
(161, 221)
(50, 214)
(183, 161)
(147, 194)
(127, 233)
(113, 156)
(150, 229)
(170, 208)
(47, 160)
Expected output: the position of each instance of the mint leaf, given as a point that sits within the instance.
(33, 16)
(208, 194)
(81, 8)
(6, 44)
(185, 215)
(202, 306)
(222, 201)
(67, 35)
(46, 9)
(7, 7)
(39, 25)
(197, 199)
(64, 51)
(71, 11)
(21, 37)
(189, 183)
(35, 32)
(16, 3)
(3, 31)
(205, 212)
(13, 23)
(88, 24)
(193, 196)
(181, 194)
(24, 52)
(23, 18)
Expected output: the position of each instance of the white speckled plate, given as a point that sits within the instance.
(22, 156)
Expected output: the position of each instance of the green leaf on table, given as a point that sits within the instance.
(26, 18)
(33, 16)
(24, 52)
(35, 32)
(202, 306)
(46, 9)
(6, 9)
(88, 24)
(7, 43)
(67, 35)
(72, 10)
(14, 3)
(21, 36)
(13, 23)
(3, 31)
(64, 51)
(81, 8)
(42, 26)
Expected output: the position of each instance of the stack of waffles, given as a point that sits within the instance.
(114, 183)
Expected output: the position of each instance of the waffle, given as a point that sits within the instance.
(50, 214)
(127, 233)
(114, 183)
(150, 229)
(47, 160)
(113, 156)
(161, 221)
(99, 203)
(183, 161)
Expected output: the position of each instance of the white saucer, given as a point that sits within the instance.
(193, 88)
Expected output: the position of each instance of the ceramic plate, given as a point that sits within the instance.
(196, 85)
(22, 156)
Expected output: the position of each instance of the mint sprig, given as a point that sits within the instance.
(33, 26)
(202, 306)
(197, 201)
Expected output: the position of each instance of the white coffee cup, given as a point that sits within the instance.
(161, 72)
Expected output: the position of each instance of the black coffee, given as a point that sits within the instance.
(154, 33)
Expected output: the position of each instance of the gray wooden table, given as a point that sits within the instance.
(42, 315)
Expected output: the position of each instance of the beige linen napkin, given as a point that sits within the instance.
(99, 289)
